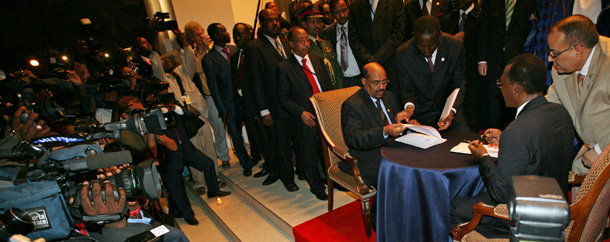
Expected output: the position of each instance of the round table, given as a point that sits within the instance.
(416, 186)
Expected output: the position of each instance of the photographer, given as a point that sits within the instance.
(128, 226)
(111, 90)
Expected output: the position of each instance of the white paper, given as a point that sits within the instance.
(462, 148)
(449, 104)
(158, 231)
(426, 138)
(424, 129)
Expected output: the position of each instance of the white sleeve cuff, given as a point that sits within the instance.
(481, 62)
(409, 104)
(597, 149)
(265, 112)
(454, 111)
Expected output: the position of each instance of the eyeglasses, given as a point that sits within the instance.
(499, 83)
(553, 55)
(307, 40)
(378, 82)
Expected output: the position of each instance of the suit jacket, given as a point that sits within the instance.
(501, 44)
(246, 99)
(379, 37)
(217, 70)
(476, 101)
(539, 142)
(413, 11)
(294, 90)
(363, 132)
(261, 61)
(590, 109)
(326, 50)
(330, 33)
(429, 90)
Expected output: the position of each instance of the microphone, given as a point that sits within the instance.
(94, 162)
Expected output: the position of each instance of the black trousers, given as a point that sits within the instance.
(281, 139)
(171, 174)
(490, 227)
(308, 156)
(238, 142)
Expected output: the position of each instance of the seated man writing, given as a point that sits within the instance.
(538, 142)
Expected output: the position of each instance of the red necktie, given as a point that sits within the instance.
(225, 50)
(309, 74)
(424, 9)
(580, 78)
(430, 64)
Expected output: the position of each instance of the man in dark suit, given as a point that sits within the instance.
(299, 77)
(337, 33)
(311, 19)
(465, 23)
(217, 68)
(244, 106)
(538, 142)
(262, 56)
(504, 39)
(414, 10)
(430, 66)
(375, 32)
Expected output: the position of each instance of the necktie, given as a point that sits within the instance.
(279, 49)
(312, 81)
(381, 113)
(343, 43)
(430, 64)
(462, 21)
(240, 69)
(424, 8)
(373, 8)
(225, 50)
(509, 7)
(580, 78)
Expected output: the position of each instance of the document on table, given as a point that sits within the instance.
(462, 148)
(425, 138)
(449, 104)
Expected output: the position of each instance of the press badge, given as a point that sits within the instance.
(186, 99)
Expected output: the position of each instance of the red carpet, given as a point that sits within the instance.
(342, 224)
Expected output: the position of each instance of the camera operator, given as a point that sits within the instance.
(184, 153)
(145, 58)
(112, 90)
(132, 224)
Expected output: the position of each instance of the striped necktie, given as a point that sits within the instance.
(510, 6)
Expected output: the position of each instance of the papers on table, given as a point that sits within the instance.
(425, 138)
(462, 148)
(449, 104)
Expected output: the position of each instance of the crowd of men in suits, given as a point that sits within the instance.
(408, 57)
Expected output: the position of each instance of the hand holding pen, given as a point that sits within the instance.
(477, 149)
(492, 136)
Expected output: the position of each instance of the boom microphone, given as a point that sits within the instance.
(94, 162)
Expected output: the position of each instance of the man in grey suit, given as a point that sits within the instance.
(538, 142)
(430, 66)
(581, 74)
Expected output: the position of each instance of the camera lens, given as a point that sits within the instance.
(142, 180)
(15, 221)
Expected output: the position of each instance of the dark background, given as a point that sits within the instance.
(50, 28)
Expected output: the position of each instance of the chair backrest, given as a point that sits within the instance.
(327, 106)
(592, 203)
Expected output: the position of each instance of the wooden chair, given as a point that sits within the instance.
(327, 106)
(589, 211)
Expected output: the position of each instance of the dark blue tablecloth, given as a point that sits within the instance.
(413, 204)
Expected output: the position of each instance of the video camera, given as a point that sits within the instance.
(161, 25)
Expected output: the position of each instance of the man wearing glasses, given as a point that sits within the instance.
(581, 75)
(430, 66)
(299, 77)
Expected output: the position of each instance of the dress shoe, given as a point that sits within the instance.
(247, 171)
(292, 187)
(270, 179)
(321, 195)
(226, 165)
(218, 194)
(301, 177)
(200, 191)
(261, 173)
(191, 221)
